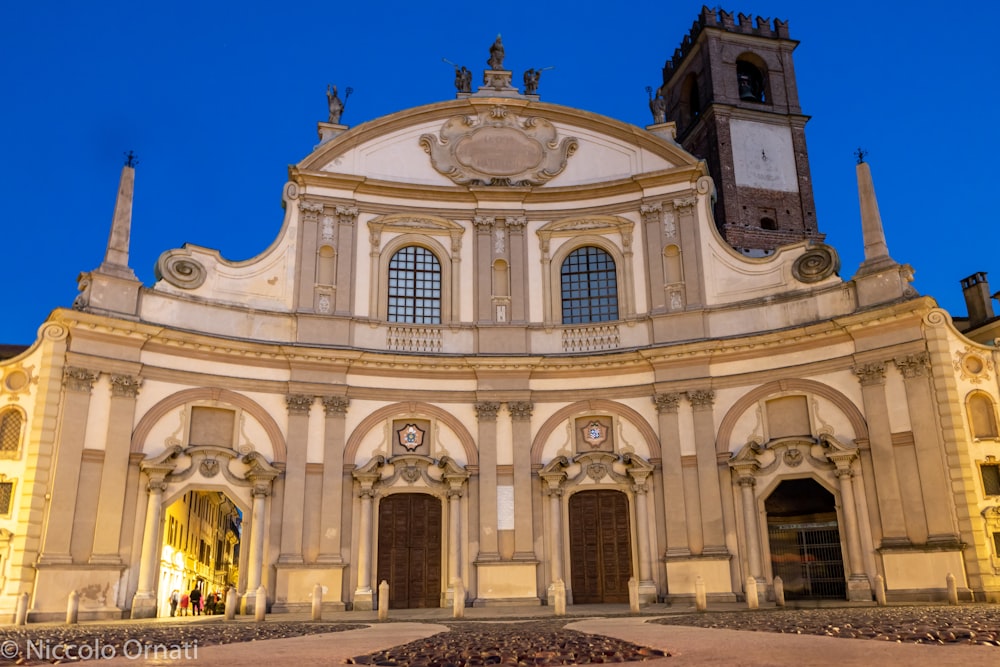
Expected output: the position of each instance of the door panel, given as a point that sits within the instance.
(409, 549)
(600, 546)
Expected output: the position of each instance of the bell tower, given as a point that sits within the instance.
(730, 88)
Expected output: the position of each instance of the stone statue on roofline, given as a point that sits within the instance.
(496, 55)
(531, 81)
(335, 103)
(463, 79)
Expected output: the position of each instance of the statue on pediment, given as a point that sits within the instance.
(496, 55)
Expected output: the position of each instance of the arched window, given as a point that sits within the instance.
(414, 286)
(589, 287)
(10, 431)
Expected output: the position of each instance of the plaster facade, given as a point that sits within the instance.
(320, 399)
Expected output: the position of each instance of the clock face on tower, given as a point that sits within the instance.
(763, 156)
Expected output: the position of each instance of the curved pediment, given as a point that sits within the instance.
(495, 143)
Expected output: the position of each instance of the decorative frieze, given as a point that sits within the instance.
(871, 373)
(520, 409)
(486, 411)
(79, 379)
(298, 403)
(125, 385)
(667, 402)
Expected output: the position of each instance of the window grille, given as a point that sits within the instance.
(10, 431)
(414, 286)
(991, 479)
(6, 493)
(589, 287)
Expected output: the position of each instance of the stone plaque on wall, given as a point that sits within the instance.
(505, 507)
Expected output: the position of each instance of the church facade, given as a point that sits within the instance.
(504, 347)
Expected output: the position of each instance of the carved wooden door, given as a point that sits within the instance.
(600, 546)
(409, 549)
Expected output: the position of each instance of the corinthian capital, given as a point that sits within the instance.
(870, 373)
(701, 399)
(125, 385)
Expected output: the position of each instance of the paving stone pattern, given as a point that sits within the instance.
(516, 644)
(964, 624)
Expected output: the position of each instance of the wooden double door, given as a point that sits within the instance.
(600, 546)
(409, 549)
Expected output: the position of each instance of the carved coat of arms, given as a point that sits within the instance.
(595, 433)
(498, 147)
(410, 437)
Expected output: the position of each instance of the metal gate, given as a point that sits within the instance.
(808, 559)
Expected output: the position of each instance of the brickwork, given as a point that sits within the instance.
(703, 113)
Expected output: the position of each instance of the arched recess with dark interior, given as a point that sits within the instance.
(804, 538)
(751, 79)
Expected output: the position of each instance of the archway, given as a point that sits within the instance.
(804, 538)
(600, 550)
(409, 549)
(200, 550)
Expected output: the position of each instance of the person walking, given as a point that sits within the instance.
(175, 599)
(195, 601)
(185, 600)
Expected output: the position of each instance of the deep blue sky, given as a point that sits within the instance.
(218, 98)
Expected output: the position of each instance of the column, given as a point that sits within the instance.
(858, 586)
(144, 601)
(930, 463)
(651, 216)
(555, 538)
(520, 413)
(293, 498)
(347, 217)
(642, 532)
(365, 543)
(255, 560)
(78, 383)
(454, 534)
(333, 479)
(107, 529)
(890, 503)
(675, 510)
(486, 413)
(702, 401)
(519, 279)
(255, 564)
(484, 259)
(750, 526)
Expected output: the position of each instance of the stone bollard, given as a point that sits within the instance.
(633, 595)
(232, 599)
(952, 589)
(73, 607)
(880, 590)
(779, 592)
(21, 612)
(700, 597)
(559, 597)
(317, 608)
(383, 601)
(752, 601)
(260, 604)
(458, 598)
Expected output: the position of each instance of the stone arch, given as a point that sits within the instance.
(748, 400)
(389, 411)
(158, 411)
(600, 404)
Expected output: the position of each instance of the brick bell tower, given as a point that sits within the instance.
(730, 88)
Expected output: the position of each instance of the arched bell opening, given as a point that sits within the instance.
(804, 540)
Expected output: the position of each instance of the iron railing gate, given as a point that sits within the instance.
(808, 559)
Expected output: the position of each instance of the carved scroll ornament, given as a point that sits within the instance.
(498, 148)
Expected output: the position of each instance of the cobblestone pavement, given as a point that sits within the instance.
(520, 644)
(539, 640)
(41, 644)
(965, 624)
